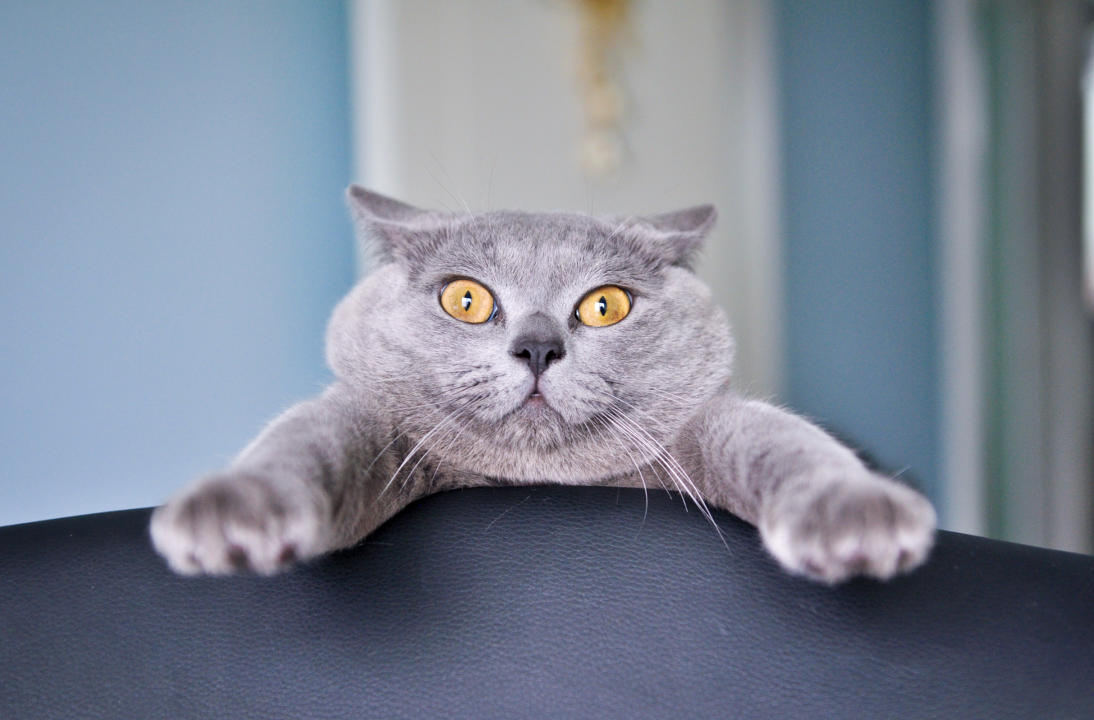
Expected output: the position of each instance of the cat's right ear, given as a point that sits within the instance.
(393, 229)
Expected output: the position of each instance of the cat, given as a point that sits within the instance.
(512, 347)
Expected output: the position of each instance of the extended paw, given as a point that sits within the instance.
(237, 522)
(830, 531)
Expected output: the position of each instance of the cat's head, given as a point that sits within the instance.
(532, 346)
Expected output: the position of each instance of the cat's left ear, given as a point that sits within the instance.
(394, 229)
(678, 235)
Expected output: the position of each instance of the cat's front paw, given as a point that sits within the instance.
(238, 522)
(831, 531)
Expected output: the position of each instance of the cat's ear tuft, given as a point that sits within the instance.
(393, 228)
(372, 207)
(677, 235)
(696, 220)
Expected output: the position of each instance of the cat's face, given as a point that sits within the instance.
(469, 335)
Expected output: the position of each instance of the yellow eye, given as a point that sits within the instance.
(468, 301)
(604, 306)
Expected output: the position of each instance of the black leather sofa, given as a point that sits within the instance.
(537, 602)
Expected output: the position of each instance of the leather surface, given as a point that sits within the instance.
(537, 602)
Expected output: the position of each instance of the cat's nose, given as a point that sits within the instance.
(538, 343)
(538, 353)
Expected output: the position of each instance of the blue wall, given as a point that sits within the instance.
(862, 350)
(172, 237)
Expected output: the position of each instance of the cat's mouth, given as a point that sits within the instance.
(535, 397)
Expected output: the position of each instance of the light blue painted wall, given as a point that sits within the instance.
(861, 315)
(172, 237)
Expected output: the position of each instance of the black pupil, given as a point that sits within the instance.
(602, 305)
(466, 302)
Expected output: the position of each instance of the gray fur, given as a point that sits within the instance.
(423, 402)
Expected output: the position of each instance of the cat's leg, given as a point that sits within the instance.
(308, 484)
(820, 511)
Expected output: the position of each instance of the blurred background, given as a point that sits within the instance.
(901, 187)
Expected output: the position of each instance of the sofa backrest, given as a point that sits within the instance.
(537, 602)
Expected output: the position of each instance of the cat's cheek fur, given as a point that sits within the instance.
(235, 522)
(362, 321)
(831, 530)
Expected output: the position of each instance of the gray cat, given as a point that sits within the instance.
(535, 348)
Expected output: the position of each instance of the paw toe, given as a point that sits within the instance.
(237, 558)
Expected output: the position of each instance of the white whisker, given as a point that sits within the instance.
(675, 470)
(418, 445)
(642, 477)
